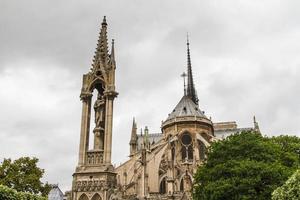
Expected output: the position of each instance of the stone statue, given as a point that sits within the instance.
(99, 108)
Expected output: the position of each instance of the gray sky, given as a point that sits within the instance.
(245, 59)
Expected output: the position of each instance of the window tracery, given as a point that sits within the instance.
(187, 147)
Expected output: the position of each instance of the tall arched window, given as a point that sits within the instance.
(162, 186)
(185, 183)
(182, 185)
(187, 147)
(202, 150)
(190, 152)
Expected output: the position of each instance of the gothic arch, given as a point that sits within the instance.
(96, 197)
(187, 131)
(181, 187)
(202, 150)
(163, 185)
(98, 84)
(181, 181)
(182, 176)
(200, 137)
(83, 197)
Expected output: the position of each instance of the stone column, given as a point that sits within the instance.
(85, 126)
(170, 176)
(110, 95)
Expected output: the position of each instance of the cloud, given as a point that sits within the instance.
(244, 57)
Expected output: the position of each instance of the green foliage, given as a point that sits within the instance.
(23, 175)
(7, 193)
(290, 190)
(246, 166)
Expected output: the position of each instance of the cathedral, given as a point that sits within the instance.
(160, 165)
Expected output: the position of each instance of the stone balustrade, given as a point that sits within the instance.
(94, 157)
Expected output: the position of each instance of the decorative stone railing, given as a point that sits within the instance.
(186, 118)
(94, 157)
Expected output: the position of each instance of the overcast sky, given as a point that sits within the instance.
(245, 59)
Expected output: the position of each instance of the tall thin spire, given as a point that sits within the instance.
(101, 53)
(133, 138)
(112, 53)
(191, 92)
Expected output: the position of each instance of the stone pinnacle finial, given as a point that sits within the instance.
(104, 21)
(191, 92)
(112, 53)
(101, 54)
(133, 139)
(146, 136)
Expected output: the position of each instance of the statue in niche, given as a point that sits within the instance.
(99, 108)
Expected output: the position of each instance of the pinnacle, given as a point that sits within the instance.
(104, 21)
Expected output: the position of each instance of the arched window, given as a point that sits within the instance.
(185, 183)
(96, 197)
(183, 152)
(187, 147)
(202, 150)
(182, 185)
(83, 197)
(188, 183)
(190, 152)
(162, 186)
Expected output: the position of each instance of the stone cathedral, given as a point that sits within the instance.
(160, 165)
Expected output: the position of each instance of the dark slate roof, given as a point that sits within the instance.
(186, 107)
(55, 193)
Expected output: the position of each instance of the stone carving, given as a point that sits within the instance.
(95, 157)
(99, 108)
(89, 185)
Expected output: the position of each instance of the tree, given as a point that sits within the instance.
(245, 166)
(290, 190)
(7, 193)
(23, 175)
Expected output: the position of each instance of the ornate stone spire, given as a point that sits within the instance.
(191, 92)
(101, 54)
(133, 139)
(146, 137)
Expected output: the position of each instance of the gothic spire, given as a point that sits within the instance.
(146, 137)
(133, 139)
(112, 54)
(101, 54)
(191, 91)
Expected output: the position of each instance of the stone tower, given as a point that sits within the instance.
(94, 177)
